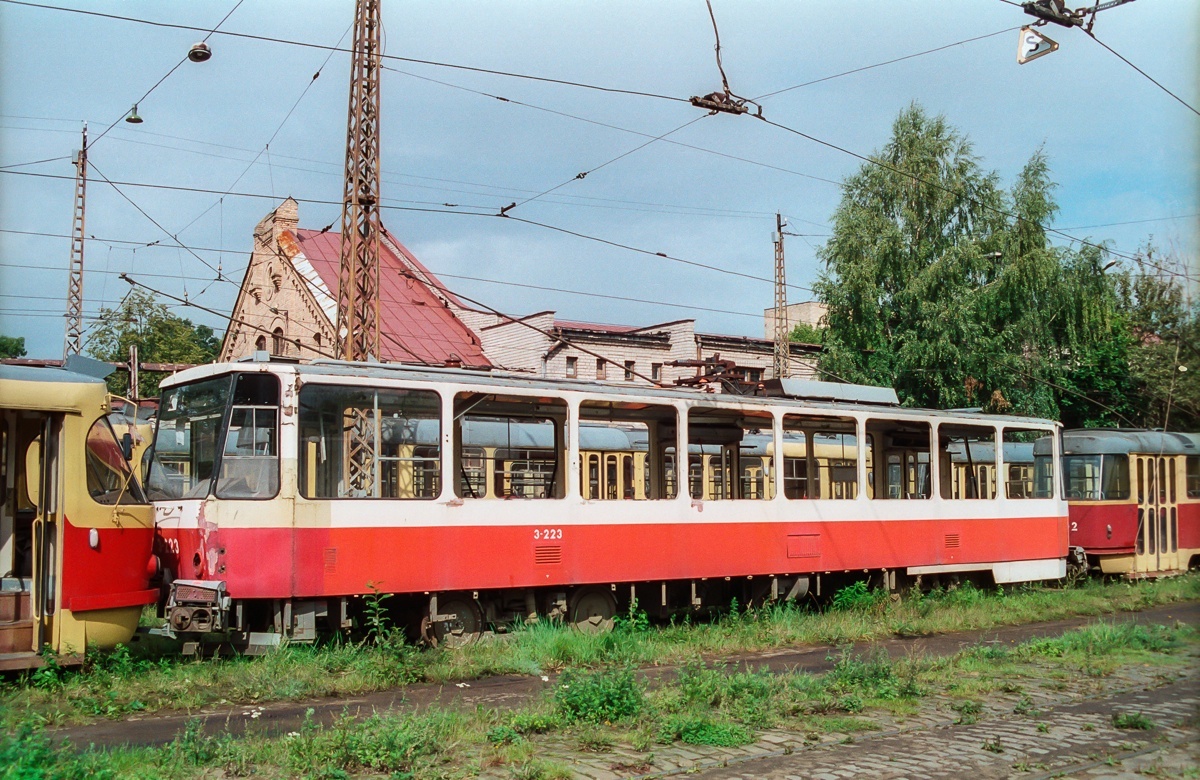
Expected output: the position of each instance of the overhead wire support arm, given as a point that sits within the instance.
(726, 101)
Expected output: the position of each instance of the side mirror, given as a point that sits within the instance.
(33, 471)
(127, 446)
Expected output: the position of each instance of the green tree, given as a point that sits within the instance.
(12, 346)
(807, 333)
(945, 286)
(161, 337)
(1164, 335)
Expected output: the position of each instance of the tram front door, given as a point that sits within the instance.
(29, 530)
(1157, 548)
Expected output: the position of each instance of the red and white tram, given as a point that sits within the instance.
(1134, 499)
(283, 493)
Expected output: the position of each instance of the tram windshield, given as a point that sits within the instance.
(227, 428)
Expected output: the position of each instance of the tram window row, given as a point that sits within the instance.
(516, 447)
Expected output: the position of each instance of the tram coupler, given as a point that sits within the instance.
(197, 606)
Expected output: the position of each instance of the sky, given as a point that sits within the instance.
(252, 126)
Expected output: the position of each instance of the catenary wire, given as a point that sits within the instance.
(278, 128)
(167, 75)
(543, 225)
(156, 223)
(585, 174)
(914, 177)
(886, 62)
(393, 57)
(1154, 81)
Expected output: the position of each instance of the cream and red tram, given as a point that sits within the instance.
(1134, 499)
(283, 493)
(76, 532)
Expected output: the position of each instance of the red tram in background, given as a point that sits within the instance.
(285, 493)
(1134, 499)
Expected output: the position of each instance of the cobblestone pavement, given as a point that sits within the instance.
(1057, 734)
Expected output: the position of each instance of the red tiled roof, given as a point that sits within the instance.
(422, 328)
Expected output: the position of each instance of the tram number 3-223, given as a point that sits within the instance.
(547, 533)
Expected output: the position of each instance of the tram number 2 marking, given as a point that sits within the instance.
(547, 534)
(1074, 526)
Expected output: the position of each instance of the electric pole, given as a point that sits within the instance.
(74, 337)
(358, 276)
(358, 279)
(782, 331)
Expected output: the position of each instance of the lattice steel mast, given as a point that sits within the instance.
(358, 280)
(74, 338)
(358, 277)
(782, 363)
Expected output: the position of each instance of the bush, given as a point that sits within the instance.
(599, 697)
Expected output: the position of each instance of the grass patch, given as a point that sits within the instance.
(706, 705)
(121, 682)
(702, 731)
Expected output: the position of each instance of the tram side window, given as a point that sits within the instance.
(250, 456)
(730, 454)
(362, 442)
(967, 461)
(1096, 477)
(820, 457)
(626, 451)
(1017, 452)
(1193, 476)
(509, 446)
(795, 465)
(899, 463)
(1115, 471)
(109, 479)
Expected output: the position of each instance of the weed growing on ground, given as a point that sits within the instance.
(858, 597)
(599, 697)
(993, 745)
(378, 622)
(1132, 720)
(968, 712)
(634, 621)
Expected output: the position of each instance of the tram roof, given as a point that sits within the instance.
(1123, 441)
(28, 387)
(611, 391)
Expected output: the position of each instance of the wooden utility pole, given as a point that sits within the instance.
(358, 279)
(74, 338)
(782, 365)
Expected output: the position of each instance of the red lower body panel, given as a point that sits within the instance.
(311, 562)
(1104, 529)
(111, 574)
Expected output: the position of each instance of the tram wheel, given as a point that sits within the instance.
(592, 609)
(466, 627)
